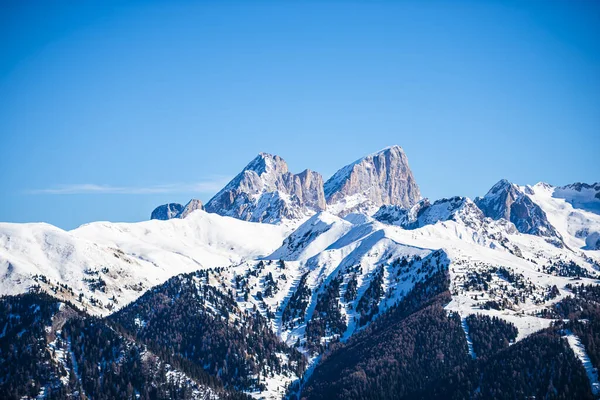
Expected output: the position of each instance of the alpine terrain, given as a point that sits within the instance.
(284, 285)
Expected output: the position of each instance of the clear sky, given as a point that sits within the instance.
(108, 109)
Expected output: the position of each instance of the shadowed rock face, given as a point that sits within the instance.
(176, 210)
(265, 191)
(375, 180)
(166, 211)
(506, 200)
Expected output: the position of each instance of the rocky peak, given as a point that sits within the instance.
(497, 202)
(507, 200)
(166, 211)
(265, 191)
(378, 179)
(192, 205)
(267, 163)
(176, 210)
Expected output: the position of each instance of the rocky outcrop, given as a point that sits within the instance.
(265, 191)
(372, 181)
(192, 205)
(508, 201)
(176, 210)
(460, 209)
(166, 211)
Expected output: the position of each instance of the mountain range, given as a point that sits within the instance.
(284, 285)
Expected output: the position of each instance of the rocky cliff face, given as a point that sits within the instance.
(192, 205)
(508, 201)
(372, 181)
(166, 211)
(265, 191)
(176, 210)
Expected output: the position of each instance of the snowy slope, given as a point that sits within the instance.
(425, 213)
(389, 260)
(114, 263)
(561, 207)
(581, 195)
(312, 237)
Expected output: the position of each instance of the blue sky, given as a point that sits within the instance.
(108, 109)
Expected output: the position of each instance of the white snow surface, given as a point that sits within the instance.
(574, 224)
(128, 257)
(581, 196)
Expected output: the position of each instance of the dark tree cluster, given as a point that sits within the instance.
(327, 318)
(490, 335)
(408, 346)
(368, 305)
(390, 360)
(541, 366)
(588, 329)
(583, 304)
(503, 288)
(199, 323)
(25, 364)
(568, 269)
(394, 361)
(270, 285)
(351, 289)
(48, 349)
(295, 308)
(106, 365)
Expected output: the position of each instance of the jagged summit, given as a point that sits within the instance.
(377, 179)
(511, 202)
(265, 191)
(267, 163)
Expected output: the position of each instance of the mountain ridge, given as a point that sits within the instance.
(315, 278)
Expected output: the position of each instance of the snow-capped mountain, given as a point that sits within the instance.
(372, 181)
(316, 275)
(570, 212)
(265, 191)
(512, 203)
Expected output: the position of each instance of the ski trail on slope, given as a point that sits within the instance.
(465, 326)
(579, 350)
